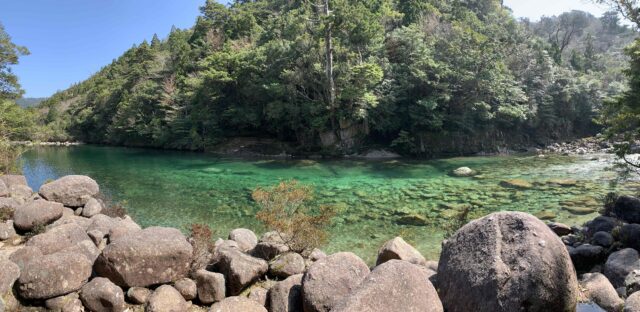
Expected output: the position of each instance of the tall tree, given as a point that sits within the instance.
(9, 54)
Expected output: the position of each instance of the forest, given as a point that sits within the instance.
(419, 77)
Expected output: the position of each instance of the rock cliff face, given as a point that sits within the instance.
(53, 256)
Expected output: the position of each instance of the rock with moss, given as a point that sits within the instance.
(286, 264)
(516, 184)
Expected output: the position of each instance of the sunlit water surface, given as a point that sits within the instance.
(375, 199)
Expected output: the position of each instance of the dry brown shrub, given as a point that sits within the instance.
(112, 208)
(201, 238)
(285, 209)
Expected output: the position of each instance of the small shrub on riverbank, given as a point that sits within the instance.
(609, 202)
(6, 214)
(37, 229)
(201, 238)
(9, 155)
(285, 208)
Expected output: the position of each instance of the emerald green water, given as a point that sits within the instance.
(178, 188)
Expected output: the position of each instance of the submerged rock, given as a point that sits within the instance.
(506, 261)
(463, 172)
(516, 184)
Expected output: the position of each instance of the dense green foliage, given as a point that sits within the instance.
(621, 115)
(15, 123)
(412, 75)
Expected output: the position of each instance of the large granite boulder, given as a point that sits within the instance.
(286, 264)
(211, 286)
(8, 275)
(398, 249)
(620, 264)
(627, 208)
(67, 303)
(58, 238)
(21, 193)
(246, 239)
(270, 245)
(237, 304)
(239, 269)
(10, 180)
(286, 295)
(101, 295)
(71, 190)
(632, 304)
(598, 289)
(53, 275)
(393, 286)
(506, 261)
(329, 280)
(35, 213)
(151, 256)
(167, 299)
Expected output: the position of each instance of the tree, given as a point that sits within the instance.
(9, 54)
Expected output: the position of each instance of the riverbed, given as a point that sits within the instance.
(375, 200)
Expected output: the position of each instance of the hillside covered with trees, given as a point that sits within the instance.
(422, 77)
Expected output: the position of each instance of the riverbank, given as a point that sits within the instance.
(60, 251)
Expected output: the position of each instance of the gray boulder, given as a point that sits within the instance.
(239, 269)
(53, 275)
(603, 239)
(58, 238)
(92, 208)
(8, 275)
(7, 230)
(37, 212)
(259, 295)
(237, 304)
(601, 223)
(393, 286)
(627, 208)
(129, 261)
(286, 296)
(211, 286)
(10, 180)
(286, 264)
(632, 282)
(599, 290)
(101, 295)
(560, 229)
(329, 280)
(506, 261)
(270, 245)
(71, 190)
(585, 256)
(632, 304)
(620, 264)
(138, 295)
(246, 239)
(398, 249)
(187, 288)
(166, 299)
(20, 193)
(67, 303)
(630, 236)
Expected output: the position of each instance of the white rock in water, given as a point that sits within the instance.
(463, 172)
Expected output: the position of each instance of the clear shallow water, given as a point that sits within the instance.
(179, 188)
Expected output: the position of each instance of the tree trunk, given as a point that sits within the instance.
(331, 87)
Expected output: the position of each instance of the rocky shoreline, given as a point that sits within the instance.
(59, 251)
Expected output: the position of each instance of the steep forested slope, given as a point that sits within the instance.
(420, 76)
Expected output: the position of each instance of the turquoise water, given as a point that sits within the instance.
(373, 197)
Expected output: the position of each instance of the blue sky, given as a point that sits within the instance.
(71, 39)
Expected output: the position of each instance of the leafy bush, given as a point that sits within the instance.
(37, 229)
(9, 155)
(285, 209)
(201, 238)
(6, 213)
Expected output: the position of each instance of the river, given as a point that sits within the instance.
(374, 198)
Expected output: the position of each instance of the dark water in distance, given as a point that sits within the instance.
(176, 189)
